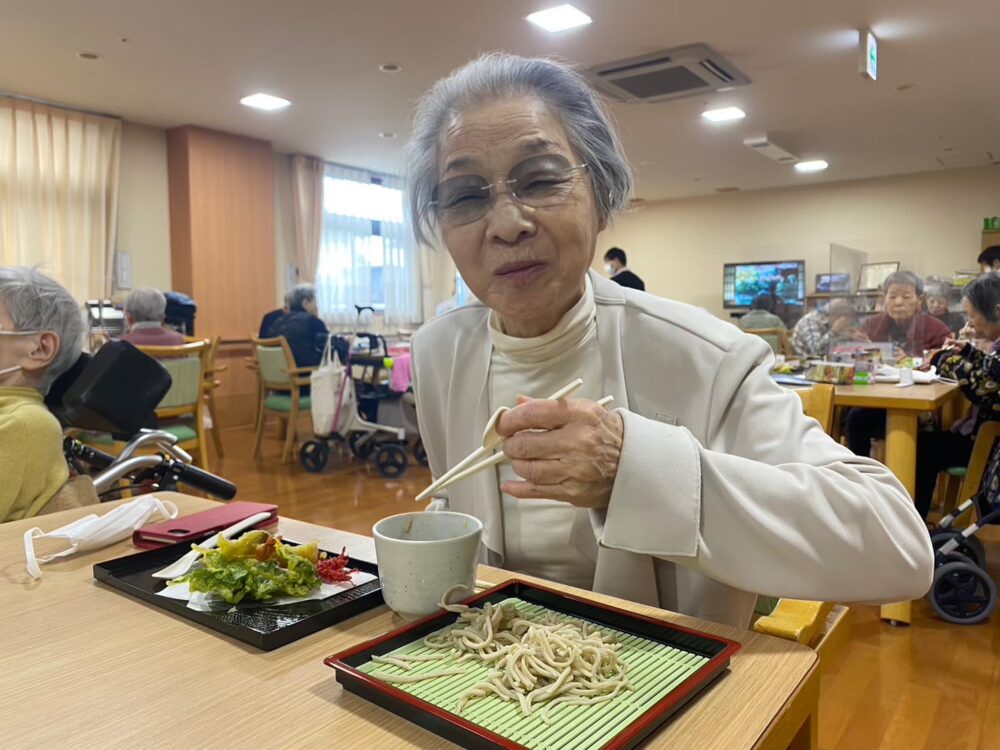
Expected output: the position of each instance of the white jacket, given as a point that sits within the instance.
(724, 488)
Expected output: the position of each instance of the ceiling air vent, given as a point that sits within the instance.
(668, 74)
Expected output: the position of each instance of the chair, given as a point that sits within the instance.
(969, 478)
(182, 410)
(211, 383)
(807, 622)
(280, 382)
(777, 339)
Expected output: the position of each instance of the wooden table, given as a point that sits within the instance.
(902, 407)
(85, 666)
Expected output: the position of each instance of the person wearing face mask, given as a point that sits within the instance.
(615, 262)
(937, 305)
(911, 331)
(41, 336)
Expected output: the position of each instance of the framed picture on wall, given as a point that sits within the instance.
(874, 274)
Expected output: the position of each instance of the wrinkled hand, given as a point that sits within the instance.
(574, 459)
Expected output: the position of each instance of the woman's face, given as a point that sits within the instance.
(937, 305)
(526, 263)
(901, 302)
(985, 328)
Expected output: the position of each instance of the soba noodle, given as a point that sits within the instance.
(546, 661)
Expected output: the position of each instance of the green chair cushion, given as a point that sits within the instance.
(183, 431)
(957, 471)
(95, 438)
(283, 402)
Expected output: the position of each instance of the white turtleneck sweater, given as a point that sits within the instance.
(547, 538)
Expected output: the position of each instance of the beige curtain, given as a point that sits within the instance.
(307, 204)
(59, 193)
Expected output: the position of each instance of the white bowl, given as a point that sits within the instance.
(423, 554)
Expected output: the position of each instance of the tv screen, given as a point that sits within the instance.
(785, 280)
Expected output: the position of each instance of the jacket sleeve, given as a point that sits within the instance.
(770, 504)
(13, 464)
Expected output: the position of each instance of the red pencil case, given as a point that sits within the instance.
(198, 526)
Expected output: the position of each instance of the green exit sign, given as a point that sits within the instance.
(868, 62)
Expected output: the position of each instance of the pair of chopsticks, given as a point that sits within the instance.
(468, 466)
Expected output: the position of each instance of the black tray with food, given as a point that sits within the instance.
(266, 626)
(528, 666)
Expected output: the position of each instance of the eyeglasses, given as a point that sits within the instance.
(538, 182)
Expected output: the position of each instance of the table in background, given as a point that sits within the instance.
(902, 408)
(86, 666)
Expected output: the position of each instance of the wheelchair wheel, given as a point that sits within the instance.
(360, 446)
(972, 548)
(419, 453)
(391, 460)
(962, 593)
(314, 455)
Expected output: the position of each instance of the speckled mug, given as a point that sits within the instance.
(423, 554)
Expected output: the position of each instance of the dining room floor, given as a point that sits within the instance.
(928, 686)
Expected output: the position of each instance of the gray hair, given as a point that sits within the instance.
(937, 288)
(146, 305)
(35, 302)
(904, 278)
(299, 295)
(500, 75)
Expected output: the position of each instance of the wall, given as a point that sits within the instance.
(144, 205)
(284, 226)
(930, 222)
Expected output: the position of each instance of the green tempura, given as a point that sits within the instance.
(257, 567)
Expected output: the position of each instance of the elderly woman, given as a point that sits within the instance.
(145, 311)
(41, 335)
(706, 484)
(911, 331)
(978, 375)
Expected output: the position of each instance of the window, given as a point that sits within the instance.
(367, 254)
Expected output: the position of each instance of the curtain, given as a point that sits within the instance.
(367, 252)
(307, 199)
(59, 193)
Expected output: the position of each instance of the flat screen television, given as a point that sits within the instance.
(785, 279)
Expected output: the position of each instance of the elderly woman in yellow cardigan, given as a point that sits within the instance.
(41, 335)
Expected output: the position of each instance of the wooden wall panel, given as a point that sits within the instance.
(222, 247)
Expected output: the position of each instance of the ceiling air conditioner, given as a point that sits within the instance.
(765, 146)
(668, 74)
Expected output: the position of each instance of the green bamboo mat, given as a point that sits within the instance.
(655, 670)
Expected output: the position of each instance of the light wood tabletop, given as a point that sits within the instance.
(86, 666)
(902, 410)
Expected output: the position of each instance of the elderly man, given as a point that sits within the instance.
(816, 330)
(41, 335)
(145, 311)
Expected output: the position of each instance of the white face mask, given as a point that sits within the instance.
(93, 531)
(609, 269)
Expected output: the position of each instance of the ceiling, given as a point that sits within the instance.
(189, 61)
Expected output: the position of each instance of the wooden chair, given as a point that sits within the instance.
(211, 383)
(280, 382)
(807, 622)
(967, 479)
(777, 339)
(182, 410)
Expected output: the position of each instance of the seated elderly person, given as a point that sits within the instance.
(818, 329)
(704, 484)
(912, 331)
(762, 316)
(938, 306)
(145, 311)
(302, 329)
(41, 335)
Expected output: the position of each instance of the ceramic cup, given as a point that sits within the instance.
(423, 554)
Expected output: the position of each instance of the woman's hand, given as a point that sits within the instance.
(574, 455)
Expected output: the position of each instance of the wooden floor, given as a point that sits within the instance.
(930, 686)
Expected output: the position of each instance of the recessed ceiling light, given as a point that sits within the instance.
(264, 101)
(387, 135)
(814, 165)
(390, 68)
(88, 55)
(726, 114)
(559, 18)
